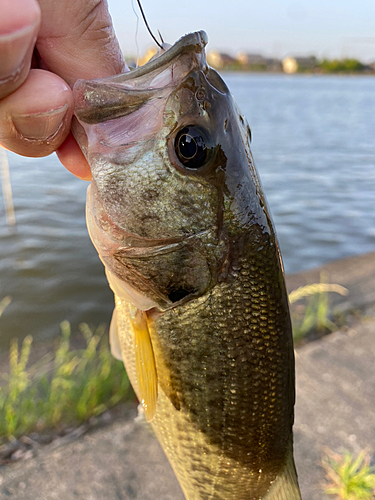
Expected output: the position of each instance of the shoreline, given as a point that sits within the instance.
(292, 75)
(356, 273)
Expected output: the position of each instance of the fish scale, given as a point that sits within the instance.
(250, 393)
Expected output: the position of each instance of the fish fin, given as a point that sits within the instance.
(285, 486)
(114, 338)
(145, 366)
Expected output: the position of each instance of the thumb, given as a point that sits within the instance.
(77, 40)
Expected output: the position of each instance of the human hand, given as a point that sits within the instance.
(73, 39)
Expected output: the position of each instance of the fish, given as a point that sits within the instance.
(177, 214)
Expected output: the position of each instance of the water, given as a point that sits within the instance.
(314, 146)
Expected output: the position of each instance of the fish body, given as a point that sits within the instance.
(177, 214)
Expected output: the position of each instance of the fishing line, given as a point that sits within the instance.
(7, 189)
(147, 26)
(161, 38)
(136, 34)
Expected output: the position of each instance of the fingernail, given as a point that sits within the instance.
(39, 126)
(14, 48)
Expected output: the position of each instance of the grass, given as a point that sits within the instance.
(67, 388)
(315, 315)
(349, 477)
(70, 386)
(4, 303)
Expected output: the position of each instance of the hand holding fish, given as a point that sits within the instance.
(44, 47)
(178, 216)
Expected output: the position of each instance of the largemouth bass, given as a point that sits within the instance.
(177, 214)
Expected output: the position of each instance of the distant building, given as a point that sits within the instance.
(294, 64)
(149, 54)
(219, 59)
(274, 65)
(290, 65)
(249, 59)
(257, 62)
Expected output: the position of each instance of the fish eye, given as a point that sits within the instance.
(193, 147)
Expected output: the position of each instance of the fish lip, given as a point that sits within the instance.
(192, 42)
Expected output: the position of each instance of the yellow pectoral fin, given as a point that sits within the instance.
(145, 366)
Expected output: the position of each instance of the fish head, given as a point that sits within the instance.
(174, 194)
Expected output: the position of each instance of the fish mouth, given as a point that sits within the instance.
(127, 92)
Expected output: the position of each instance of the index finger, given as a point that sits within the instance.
(18, 33)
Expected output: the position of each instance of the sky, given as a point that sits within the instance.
(277, 28)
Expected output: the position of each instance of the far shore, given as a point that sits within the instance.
(293, 75)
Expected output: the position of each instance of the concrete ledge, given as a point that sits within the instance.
(357, 274)
(335, 401)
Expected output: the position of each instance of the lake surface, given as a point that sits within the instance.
(313, 144)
